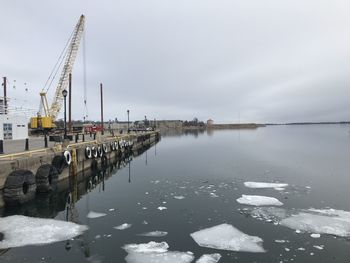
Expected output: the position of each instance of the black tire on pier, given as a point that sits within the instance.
(46, 178)
(19, 187)
(59, 162)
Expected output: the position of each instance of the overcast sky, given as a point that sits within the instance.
(253, 60)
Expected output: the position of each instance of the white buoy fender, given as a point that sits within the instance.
(88, 152)
(94, 151)
(68, 157)
(99, 151)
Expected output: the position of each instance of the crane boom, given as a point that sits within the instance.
(47, 122)
(67, 68)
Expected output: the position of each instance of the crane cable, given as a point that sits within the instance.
(59, 62)
(86, 113)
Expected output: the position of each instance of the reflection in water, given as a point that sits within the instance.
(69, 191)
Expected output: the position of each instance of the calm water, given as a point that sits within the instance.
(313, 160)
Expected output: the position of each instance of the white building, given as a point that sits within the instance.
(13, 127)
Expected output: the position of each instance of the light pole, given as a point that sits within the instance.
(128, 120)
(65, 93)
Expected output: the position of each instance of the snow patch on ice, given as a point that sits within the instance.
(22, 231)
(93, 214)
(258, 200)
(154, 252)
(264, 185)
(154, 234)
(227, 237)
(209, 258)
(123, 226)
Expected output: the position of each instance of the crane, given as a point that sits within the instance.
(47, 122)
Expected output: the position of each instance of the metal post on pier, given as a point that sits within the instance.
(5, 95)
(70, 103)
(1, 146)
(45, 140)
(101, 92)
(26, 147)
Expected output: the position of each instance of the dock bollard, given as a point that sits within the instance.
(1, 146)
(26, 147)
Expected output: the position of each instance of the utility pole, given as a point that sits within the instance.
(101, 91)
(70, 103)
(5, 95)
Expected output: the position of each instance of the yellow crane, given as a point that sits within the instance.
(46, 120)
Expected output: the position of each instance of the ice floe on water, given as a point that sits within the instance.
(162, 208)
(22, 231)
(313, 221)
(154, 252)
(209, 258)
(329, 221)
(93, 214)
(227, 237)
(179, 197)
(258, 200)
(154, 234)
(313, 235)
(277, 186)
(123, 226)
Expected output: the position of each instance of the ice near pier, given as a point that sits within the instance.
(22, 231)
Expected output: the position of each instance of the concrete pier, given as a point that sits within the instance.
(32, 160)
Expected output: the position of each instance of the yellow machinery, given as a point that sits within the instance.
(46, 121)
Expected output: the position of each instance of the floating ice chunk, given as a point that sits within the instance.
(281, 241)
(258, 200)
(213, 195)
(320, 247)
(315, 235)
(111, 209)
(154, 252)
(123, 226)
(264, 185)
(327, 221)
(162, 208)
(279, 188)
(154, 234)
(22, 231)
(227, 237)
(147, 247)
(93, 214)
(209, 258)
(179, 197)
